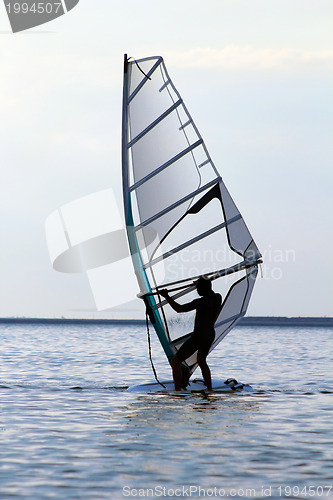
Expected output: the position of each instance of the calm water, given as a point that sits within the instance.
(70, 429)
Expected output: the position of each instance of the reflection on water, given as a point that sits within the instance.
(70, 429)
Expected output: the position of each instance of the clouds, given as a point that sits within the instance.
(248, 57)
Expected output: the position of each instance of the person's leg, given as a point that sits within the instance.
(203, 352)
(176, 372)
(186, 350)
(205, 370)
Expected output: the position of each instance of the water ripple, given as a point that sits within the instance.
(70, 429)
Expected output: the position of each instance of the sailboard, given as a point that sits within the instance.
(195, 385)
(181, 221)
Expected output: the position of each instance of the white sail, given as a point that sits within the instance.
(181, 221)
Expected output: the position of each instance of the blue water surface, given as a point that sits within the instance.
(71, 430)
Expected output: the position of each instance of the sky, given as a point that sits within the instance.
(257, 78)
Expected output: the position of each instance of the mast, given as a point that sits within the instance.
(132, 239)
(124, 139)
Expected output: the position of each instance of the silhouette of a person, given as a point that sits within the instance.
(207, 308)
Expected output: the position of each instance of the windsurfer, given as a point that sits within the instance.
(207, 308)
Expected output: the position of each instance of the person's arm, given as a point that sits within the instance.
(190, 306)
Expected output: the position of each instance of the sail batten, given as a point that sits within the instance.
(154, 123)
(175, 205)
(167, 164)
(192, 241)
(164, 86)
(181, 221)
(146, 77)
(205, 163)
(185, 124)
(228, 320)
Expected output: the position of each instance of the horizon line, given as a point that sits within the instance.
(246, 321)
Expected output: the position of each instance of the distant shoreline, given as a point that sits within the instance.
(247, 321)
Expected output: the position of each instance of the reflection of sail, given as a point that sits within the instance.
(172, 187)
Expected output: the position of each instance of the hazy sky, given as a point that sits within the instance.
(257, 77)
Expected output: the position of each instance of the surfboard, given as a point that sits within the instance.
(195, 385)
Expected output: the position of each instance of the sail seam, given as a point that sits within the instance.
(154, 123)
(141, 84)
(165, 165)
(176, 204)
(192, 241)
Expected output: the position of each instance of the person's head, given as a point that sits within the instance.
(204, 286)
